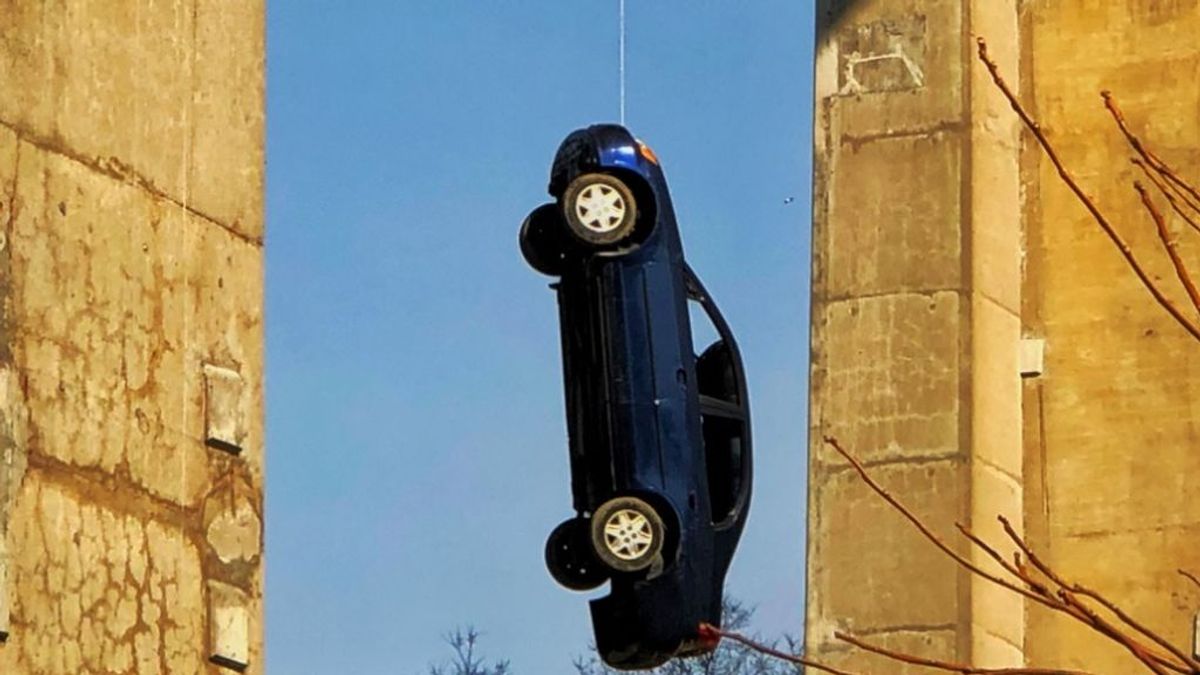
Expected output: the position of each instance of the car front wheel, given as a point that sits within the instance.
(627, 534)
(600, 209)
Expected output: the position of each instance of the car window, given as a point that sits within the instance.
(723, 417)
(704, 333)
(723, 457)
(715, 376)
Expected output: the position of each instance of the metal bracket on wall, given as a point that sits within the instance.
(5, 609)
(1033, 353)
(1196, 636)
(223, 409)
(229, 626)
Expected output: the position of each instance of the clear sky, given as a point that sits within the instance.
(416, 436)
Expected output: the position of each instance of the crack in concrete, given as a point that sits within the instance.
(907, 628)
(826, 301)
(834, 468)
(115, 168)
(857, 141)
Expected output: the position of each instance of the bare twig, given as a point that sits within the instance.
(946, 665)
(1188, 324)
(1191, 663)
(1160, 224)
(1189, 192)
(1061, 597)
(928, 534)
(1039, 595)
(710, 632)
(924, 530)
(1067, 592)
(1011, 568)
(1154, 662)
(1190, 577)
(1167, 191)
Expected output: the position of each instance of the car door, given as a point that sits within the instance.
(725, 413)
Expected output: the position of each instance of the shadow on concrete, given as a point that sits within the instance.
(830, 14)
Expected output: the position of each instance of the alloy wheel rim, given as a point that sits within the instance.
(600, 207)
(628, 534)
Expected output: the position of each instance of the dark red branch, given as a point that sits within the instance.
(924, 530)
(1167, 191)
(1067, 592)
(1169, 243)
(1190, 577)
(710, 632)
(1188, 192)
(1188, 324)
(946, 665)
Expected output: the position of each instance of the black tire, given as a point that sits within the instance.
(627, 534)
(542, 240)
(600, 209)
(569, 557)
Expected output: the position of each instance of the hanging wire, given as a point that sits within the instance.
(621, 61)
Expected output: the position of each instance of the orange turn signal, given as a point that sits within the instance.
(647, 152)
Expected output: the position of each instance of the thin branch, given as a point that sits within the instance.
(1067, 593)
(1190, 192)
(1154, 662)
(1039, 594)
(992, 553)
(1170, 244)
(1190, 577)
(1063, 600)
(1183, 656)
(928, 534)
(1188, 324)
(1182, 189)
(708, 631)
(1166, 190)
(946, 665)
(1014, 568)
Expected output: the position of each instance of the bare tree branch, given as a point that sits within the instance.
(946, 665)
(1104, 627)
(916, 522)
(1169, 243)
(1190, 577)
(1061, 598)
(1188, 192)
(1168, 192)
(708, 631)
(1012, 568)
(1190, 325)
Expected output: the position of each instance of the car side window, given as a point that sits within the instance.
(704, 333)
(723, 455)
(722, 418)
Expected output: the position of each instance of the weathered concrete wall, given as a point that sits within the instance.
(1112, 425)
(131, 162)
(940, 241)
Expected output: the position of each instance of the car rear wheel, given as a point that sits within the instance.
(627, 534)
(542, 240)
(569, 557)
(599, 209)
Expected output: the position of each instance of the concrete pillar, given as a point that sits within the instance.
(131, 165)
(916, 327)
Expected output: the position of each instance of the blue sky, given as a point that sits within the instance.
(417, 449)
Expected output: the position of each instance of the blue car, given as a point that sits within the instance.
(658, 426)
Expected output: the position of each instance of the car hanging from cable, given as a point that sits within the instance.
(658, 426)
